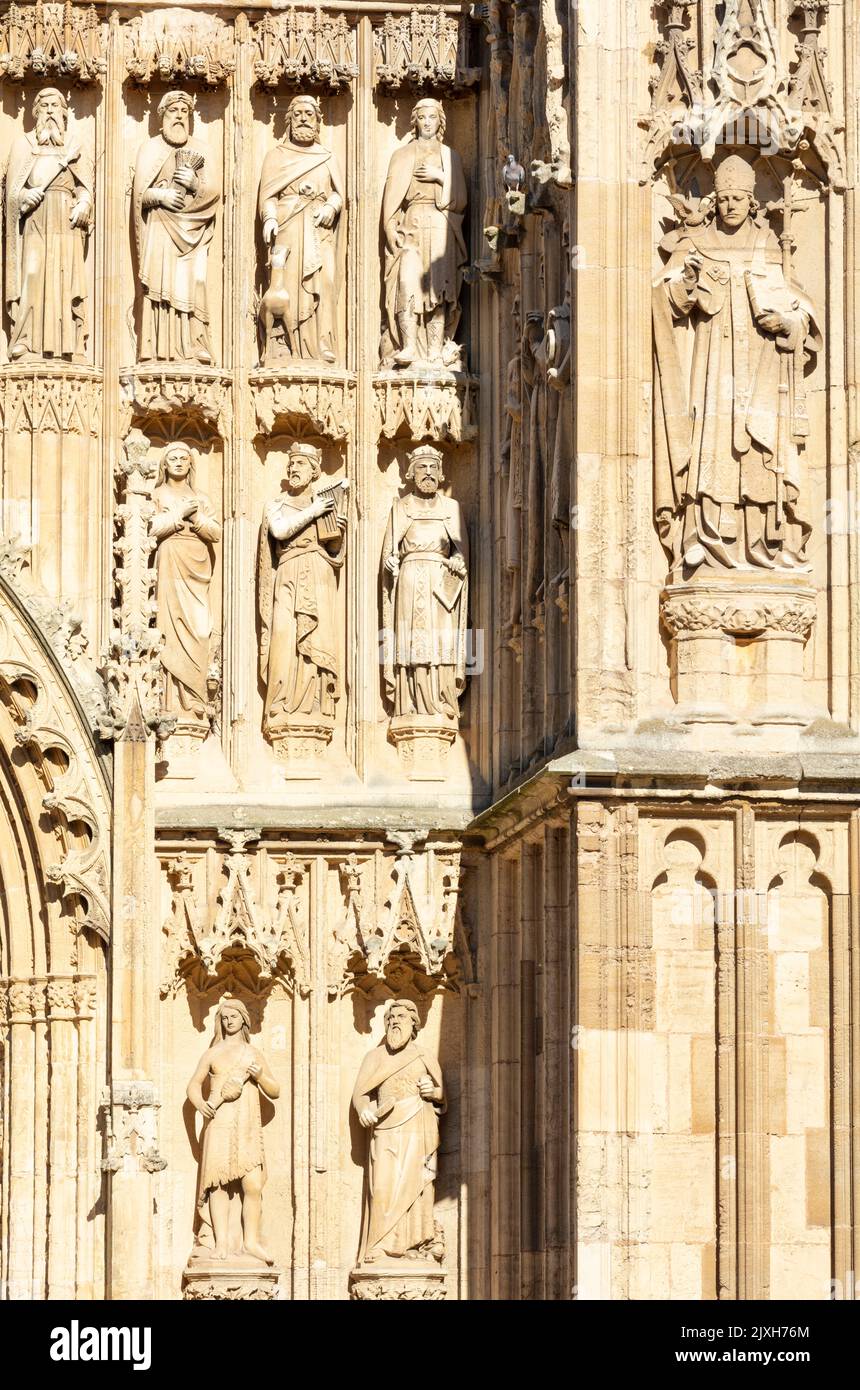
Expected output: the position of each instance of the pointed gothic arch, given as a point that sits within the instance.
(54, 925)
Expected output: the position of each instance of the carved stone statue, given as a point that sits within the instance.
(302, 194)
(186, 529)
(425, 596)
(49, 208)
(399, 1097)
(301, 552)
(730, 410)
(425, 254)
(232, 1141)
(176, 196)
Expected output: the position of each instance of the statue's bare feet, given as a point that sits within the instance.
(221, 1253)
(258, 1253)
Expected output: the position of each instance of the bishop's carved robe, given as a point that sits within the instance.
(46, 288)
(173, 252)
(724, 427)
(398, 1218)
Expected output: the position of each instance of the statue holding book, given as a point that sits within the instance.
(301, 554)
(425, 597)
(733, 332)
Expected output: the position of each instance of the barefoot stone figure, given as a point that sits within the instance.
(186, 529)
(49, 207)
(232, 1142)
(301, 554)
(399, 1097)
(176, 197)
(425, 254)
(302, 194)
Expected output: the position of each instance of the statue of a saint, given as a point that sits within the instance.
(49, 208)
(176, 197)
(301, 552)
(232, 1140)
(186, 529)
(399, 1097)
(730, 410)
(425, 595)
(302, 195)
(425, 254)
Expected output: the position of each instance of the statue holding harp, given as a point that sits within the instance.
(301, 555)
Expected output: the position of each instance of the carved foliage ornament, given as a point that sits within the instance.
(425, 49)
(52, 40)
(201, 50)
(305, 48)
(131, 669)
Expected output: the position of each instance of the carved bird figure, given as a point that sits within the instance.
(513, 174)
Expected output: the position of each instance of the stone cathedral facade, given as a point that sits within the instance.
(429, 651)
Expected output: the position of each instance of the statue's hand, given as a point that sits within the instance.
(392, 564)
(367, 1118)
(429, 173)
(325, 216)
(270, 228)
(30, 199)
(173, 199)
(254, 1070)
(324, 504)
(187, 178)
(457, 565)
(206, 1110)
(80, 213)
(426, 1088)
(773, 323)
(692, 266)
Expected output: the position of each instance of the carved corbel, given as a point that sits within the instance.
(130, 1111)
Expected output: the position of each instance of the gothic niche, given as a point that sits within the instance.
(176, 197)
(186, 531)
(425, 599)
(301, 202)
(736, 337)
(423, 203)
(301, 553)
(232, 1165)
(398, 1098)
(49, 203)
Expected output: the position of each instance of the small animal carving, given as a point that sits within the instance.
(276, 301)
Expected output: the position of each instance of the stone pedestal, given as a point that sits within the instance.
(737, 649)
(399, 1280)
(422, 743)
(300, 747)
(205, 1279)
